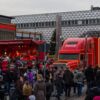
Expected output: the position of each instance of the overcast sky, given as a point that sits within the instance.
(21, 7)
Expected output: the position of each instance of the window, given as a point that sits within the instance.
(21, 25)
(30, 25)
(49, 23)
(92, 21)
(69, 23)
(82, 57)
(24, 25)
(52, 24)
(69, 56)
(36, 24)
(46, 24)
(79, 22)
(63, 23)
(98, 21)
(76, 21)
(87, 22)
(72, 43)
(83, 22)
(42, 24)
(33, 24)
(66, 23)
(27, 25)
(73, 22)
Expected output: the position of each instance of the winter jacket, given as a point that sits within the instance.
(79, 77)
(75, 76)
(40, 90)
(49, 88)
(27, 89)
(89, 73)
(19, 87)
(98, 78)
(68, 77)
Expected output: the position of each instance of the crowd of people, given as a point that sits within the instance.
(26, 81)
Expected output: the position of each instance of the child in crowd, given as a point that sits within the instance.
(32, 96)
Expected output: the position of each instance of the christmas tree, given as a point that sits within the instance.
(53, 43)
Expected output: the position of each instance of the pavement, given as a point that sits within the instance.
(73, 96)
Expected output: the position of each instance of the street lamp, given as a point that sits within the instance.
(86, 50)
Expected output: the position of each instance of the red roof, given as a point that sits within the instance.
(6, 43)
(23, 41)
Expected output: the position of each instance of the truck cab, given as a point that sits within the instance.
(76, 51)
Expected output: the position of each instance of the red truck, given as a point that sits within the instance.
(79, 51)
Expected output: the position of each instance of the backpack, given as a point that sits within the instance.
(30, 76)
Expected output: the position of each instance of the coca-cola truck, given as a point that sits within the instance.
(79, 52)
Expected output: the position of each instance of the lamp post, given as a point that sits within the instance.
(58, 33)
(86, 51)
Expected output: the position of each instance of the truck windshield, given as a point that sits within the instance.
(69, 56)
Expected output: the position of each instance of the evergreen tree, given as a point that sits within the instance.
(53, 43)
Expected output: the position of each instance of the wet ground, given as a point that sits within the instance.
(73, 96)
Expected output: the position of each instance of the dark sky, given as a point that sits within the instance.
(21, 7)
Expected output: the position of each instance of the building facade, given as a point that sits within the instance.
(73, 24)
(7, 30)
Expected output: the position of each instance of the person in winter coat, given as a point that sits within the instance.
(7, 81)
(40, 88)
(79, 81)
(49, 89)
(75, 80)
(32, 97)
(98, 78)
(68, 81)
(27, 90)
(19, 87)
(89, 74)
(59, 85)
(95, 91)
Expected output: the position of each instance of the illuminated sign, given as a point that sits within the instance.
(8, 27)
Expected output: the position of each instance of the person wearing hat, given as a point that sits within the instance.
(40, 88)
